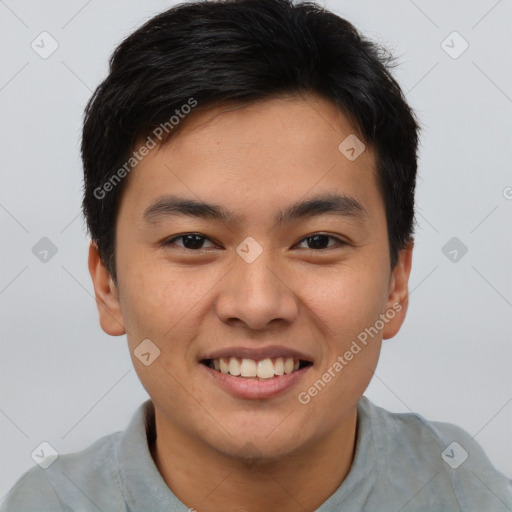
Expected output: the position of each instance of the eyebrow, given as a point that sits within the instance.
(169, 206)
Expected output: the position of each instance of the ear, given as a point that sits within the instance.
(398, 298)
(107, 296)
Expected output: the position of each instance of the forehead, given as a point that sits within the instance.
(257, 156)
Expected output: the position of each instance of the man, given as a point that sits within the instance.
(250, 169)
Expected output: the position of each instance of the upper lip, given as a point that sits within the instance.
(270, 351)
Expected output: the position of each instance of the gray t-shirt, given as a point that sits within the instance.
(402, 463)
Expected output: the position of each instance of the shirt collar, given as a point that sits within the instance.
(141, 483)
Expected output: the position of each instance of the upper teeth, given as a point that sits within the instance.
(263, 369)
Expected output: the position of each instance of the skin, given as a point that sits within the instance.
(254, 160)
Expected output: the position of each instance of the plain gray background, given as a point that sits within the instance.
(66, 382)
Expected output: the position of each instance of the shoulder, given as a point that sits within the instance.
(32, 492)
(443, 457)
(85, 480)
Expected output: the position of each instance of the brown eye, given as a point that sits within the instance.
(321, 241)
(192, 241)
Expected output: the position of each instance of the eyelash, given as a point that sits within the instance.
(170, 241)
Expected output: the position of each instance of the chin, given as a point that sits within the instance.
(260, 447)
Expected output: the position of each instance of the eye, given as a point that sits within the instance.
(196, 241)
(321, 241)
(192, 241)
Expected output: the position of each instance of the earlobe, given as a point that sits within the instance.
(398, 298)
(107, 295)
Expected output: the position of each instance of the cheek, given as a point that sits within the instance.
(148, 301)
(344, 300)
(159, 301)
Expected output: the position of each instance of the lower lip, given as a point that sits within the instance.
(254, 388)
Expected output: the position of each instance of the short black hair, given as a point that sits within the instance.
(211, 52)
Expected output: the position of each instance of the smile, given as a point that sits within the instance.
(264, 369)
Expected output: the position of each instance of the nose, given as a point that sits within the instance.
(256, 294)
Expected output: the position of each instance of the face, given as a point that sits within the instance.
(250, 284)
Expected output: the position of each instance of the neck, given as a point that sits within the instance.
(209, 481)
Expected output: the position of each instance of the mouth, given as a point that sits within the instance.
(268, 368)
(257, 372)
